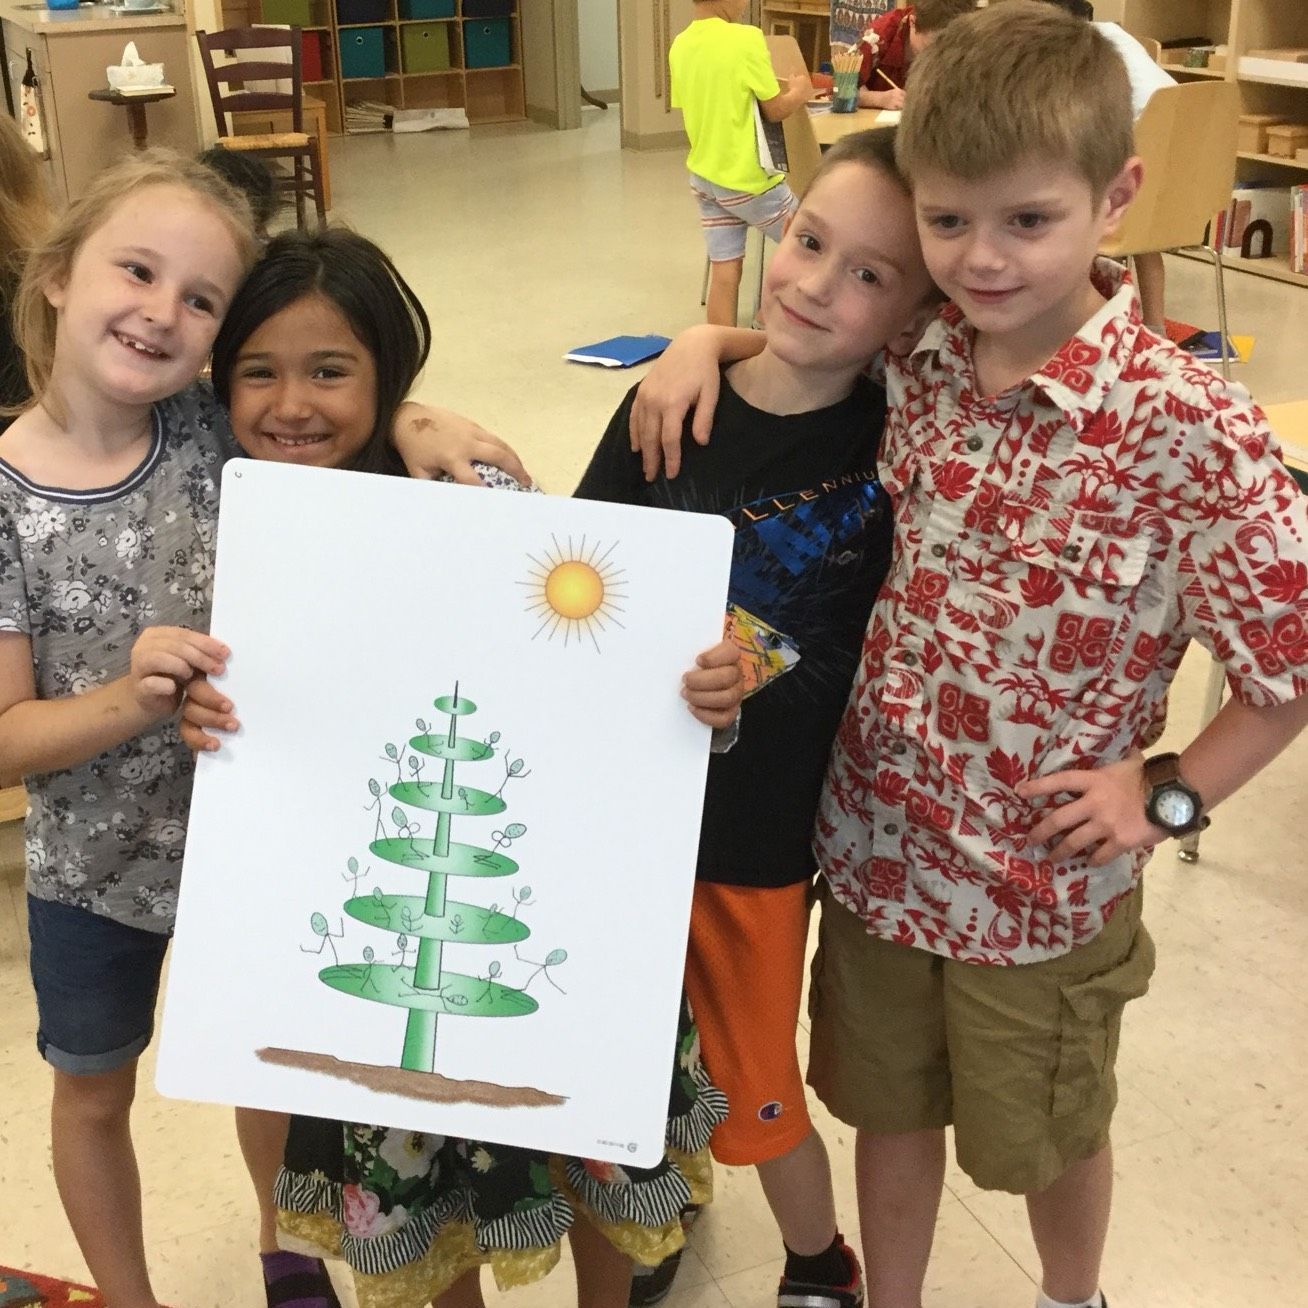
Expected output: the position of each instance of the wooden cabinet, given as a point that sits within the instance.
(409, 74)
(1265, 88)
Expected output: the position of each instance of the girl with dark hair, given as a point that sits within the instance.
(318, 350)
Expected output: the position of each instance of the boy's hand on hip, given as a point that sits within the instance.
(164, 659)
(205, 709)
(1106, 817)
(715, 686)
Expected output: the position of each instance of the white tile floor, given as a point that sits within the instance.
(522, 243)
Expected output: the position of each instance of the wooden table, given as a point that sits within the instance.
(829, 128)
(135, 105)
(256, 122)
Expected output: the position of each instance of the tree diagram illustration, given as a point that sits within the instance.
(411, 973)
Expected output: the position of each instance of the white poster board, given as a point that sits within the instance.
(460, 915)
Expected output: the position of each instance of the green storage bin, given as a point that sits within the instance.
(426, 9)
(286, 13)
(425, 47)
(486, 43)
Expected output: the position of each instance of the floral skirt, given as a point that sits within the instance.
(412, 1213)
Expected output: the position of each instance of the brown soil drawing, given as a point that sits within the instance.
(414, 1085)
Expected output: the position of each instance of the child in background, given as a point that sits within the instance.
(108, 499)
(1146, 76)
(720, 70)
(793, 464)
(24, 215)
(320, 348)
(850, 18)
(893, 41)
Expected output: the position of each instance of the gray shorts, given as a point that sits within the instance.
(727, 215)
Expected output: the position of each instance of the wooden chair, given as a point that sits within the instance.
(228, 93)
(1187, 139)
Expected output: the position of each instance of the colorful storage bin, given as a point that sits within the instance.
(286, 13)
(363, 52)
(311, 56)
(487, 8)
(410, 9)
(361, 11)
(425, 48)
(486, 44)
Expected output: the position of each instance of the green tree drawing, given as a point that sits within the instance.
(426, 988)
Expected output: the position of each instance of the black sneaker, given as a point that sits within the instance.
(651, 1285)
(802, 1294)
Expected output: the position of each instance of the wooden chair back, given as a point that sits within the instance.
(1152, 47)
(1187, 139)
(228, 81)
(802, 149)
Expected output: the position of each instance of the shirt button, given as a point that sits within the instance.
(899, 748)
(939, 550)
(1071, 553)
(891, 829)
(909, 659)
(974, 443)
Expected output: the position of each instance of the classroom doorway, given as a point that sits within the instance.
(597, 31)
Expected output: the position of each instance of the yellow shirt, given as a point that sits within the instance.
(719, 70)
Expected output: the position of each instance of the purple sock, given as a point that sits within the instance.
(294, 1280)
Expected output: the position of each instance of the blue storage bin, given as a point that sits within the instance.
(363, 52)
(410, 9)
(487, 8)
(486, 44)
(361, 11)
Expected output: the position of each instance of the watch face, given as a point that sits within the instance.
(1173, 809)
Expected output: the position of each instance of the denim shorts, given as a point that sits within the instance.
(96, 982)
(726, 216)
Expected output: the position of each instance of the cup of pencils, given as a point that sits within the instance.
(845, 66)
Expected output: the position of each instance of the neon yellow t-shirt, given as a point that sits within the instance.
(719, 70)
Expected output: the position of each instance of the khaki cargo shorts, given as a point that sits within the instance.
(1018, 1059)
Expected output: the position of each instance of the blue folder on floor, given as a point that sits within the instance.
(619, 351)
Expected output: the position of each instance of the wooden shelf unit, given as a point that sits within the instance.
(486, 95)
(1240, 25)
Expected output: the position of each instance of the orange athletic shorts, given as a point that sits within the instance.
(745, 975)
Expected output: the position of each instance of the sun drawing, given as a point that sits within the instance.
(576, 591)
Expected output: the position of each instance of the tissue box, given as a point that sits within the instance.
(132, 71)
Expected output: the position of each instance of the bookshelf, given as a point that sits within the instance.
(1242, 26)
(372, 50)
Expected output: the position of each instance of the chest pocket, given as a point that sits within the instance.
(1053, 587)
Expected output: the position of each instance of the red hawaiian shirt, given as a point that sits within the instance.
(1057, 546)
(891, 54)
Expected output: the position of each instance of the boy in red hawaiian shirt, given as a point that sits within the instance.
(891, 43)
(1075, 501)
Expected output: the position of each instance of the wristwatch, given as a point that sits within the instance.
(1169, 802)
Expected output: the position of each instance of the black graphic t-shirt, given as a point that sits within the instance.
(813, 537)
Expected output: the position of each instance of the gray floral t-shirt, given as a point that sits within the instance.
(83, 573)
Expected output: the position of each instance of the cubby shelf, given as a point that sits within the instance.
(487, 95)
(1242, 26)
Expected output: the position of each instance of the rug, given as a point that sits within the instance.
(20, 1289)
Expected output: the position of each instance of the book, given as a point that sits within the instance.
(1299, 228)
(1258, 220)
(619, 351)
(770, 139)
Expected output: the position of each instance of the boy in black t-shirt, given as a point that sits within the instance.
(792, 462)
